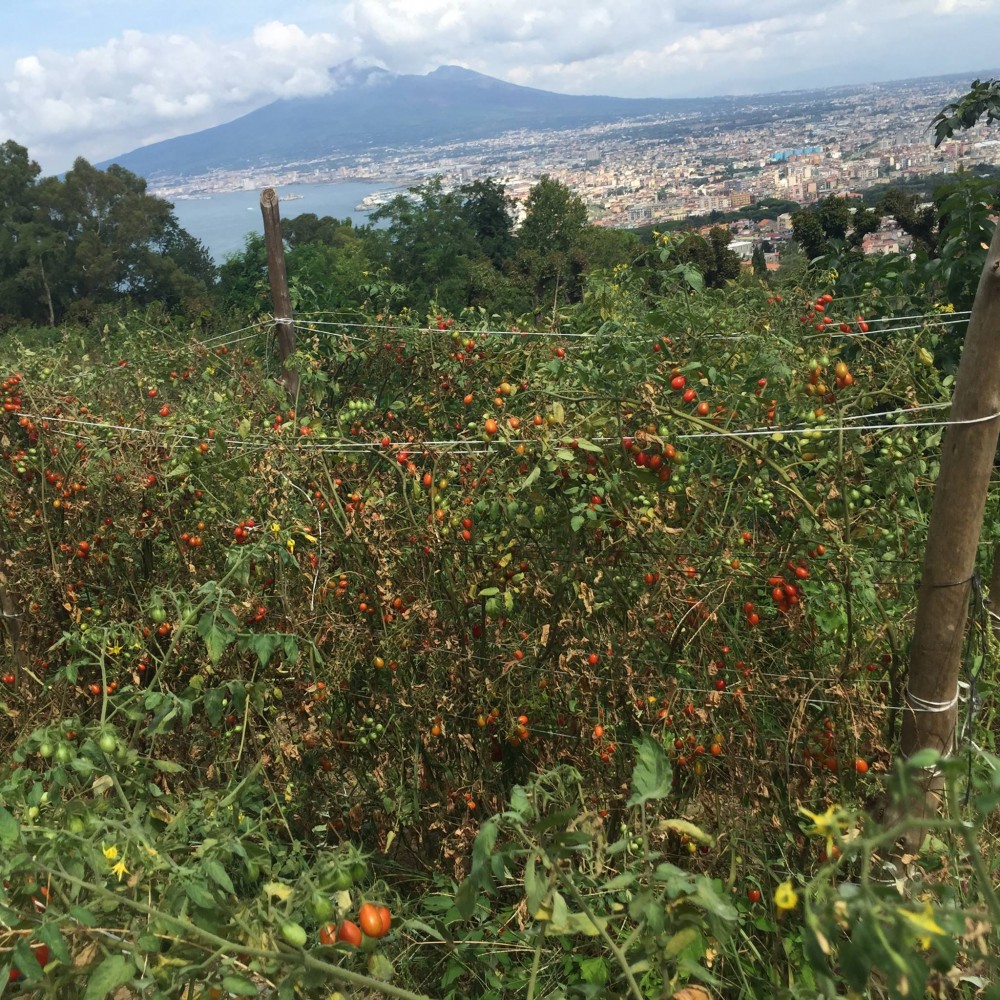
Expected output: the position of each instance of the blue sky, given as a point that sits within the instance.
(99, 77)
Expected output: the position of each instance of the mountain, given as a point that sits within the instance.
(370, 109)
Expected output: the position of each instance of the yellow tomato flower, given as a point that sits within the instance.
(111, 853)
(924, 923)
(785, 896)
(120, 869)
(829, 824)
(275, 527)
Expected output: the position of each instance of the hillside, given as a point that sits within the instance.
(374, 110)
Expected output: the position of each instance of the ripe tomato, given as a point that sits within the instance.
(328, 934)
(349, 933)
(371, 921)
(383, 911)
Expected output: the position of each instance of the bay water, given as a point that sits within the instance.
(222, 221)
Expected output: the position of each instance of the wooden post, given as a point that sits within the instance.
(967, 454)
(281, 304)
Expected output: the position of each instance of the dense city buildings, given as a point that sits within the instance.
(796, 148)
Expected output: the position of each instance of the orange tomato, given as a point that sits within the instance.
(370, 920)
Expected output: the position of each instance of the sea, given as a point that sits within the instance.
(222, 221)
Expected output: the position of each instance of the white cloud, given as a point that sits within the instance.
(137, 88)
(140, 86)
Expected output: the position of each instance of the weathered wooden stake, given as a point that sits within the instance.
(281, 304)
(967, 454)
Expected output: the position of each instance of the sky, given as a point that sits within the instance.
(97, 78)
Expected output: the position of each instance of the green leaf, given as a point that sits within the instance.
(577, 522)
(213, 700)
(531, 477)
(218, 875)
(264, 646)
(239, 986)
(534, 886)
(169, 766)
(9, 829)
(586, 445)
(681, 941)
(113, 972)
(465, 898)
(199, 895)
(594, 971)
(83, 916)
(923, 759)
(560, 914)
(652, 774)
(216, 641)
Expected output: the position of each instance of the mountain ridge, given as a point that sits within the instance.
(374, 109)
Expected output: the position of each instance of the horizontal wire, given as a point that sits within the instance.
(474, 446)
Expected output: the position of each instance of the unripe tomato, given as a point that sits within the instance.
(322, 907)
(294, 934)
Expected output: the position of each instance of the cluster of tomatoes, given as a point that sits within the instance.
(650, 454)
(11, 398)
(818, 315)
(373, 922)
(242, 531)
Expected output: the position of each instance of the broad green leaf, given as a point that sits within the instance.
(113, 972)
(534, 886)
(465, 898)
(9, 829)
(652, 775)
(594, 971)
(218, 875)
(239, 986)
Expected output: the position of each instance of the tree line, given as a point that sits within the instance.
(92, 237)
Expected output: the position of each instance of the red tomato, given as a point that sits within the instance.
(371, 921)
(349, 933)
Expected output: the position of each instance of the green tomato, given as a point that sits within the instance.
(343, 880)
(322, 908)
(63, 754)
(294, 934)
(46, 750)
(107, 741)
(158, 615)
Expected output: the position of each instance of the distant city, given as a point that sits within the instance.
(667, 168)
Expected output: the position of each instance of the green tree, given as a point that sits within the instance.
(427, 245)
(93, 237)
(488, 211)
(554, 223)
(712, 256)
(759, 261)
(807, 231)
